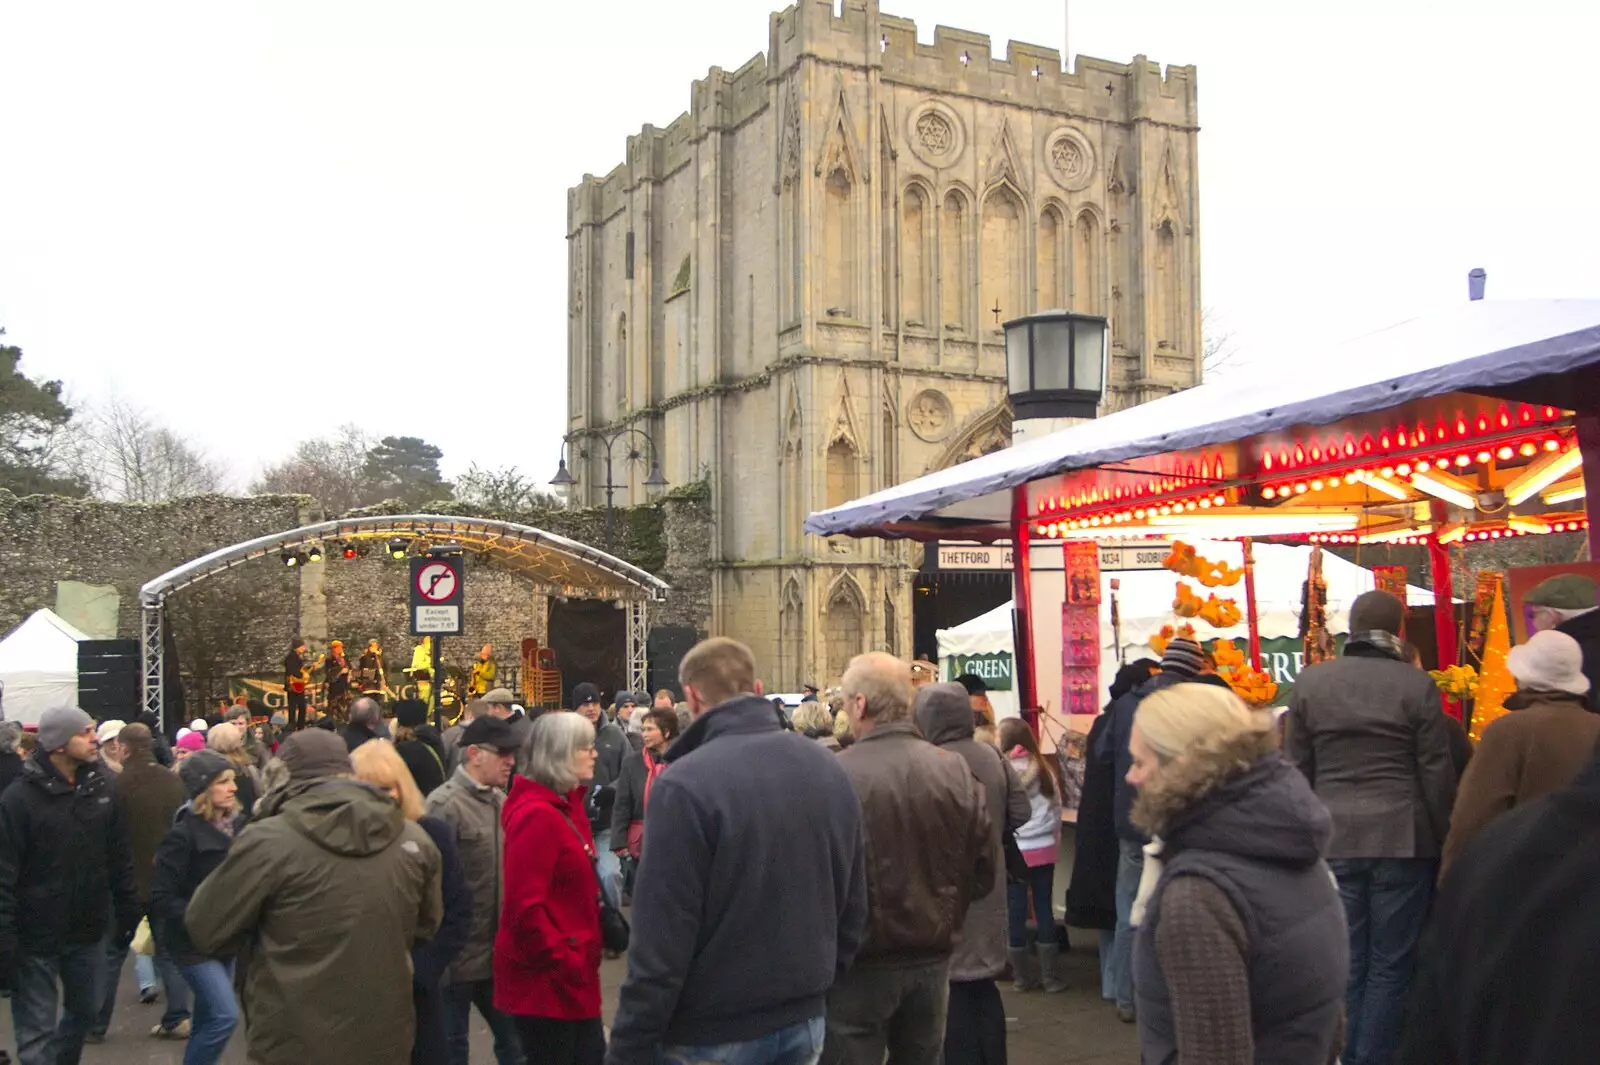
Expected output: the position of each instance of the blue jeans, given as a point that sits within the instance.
(1108, 964)
(458, 1002)
(798, 1044)
(216, 1011)
(1130, 867)
(1386, 904)
(172, 986)
(1041, 882)
(609, 867)
(42, 1038)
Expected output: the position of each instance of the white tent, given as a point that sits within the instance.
(1145, 605)
(39, 666)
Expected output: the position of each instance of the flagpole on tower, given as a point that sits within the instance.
(1066, 36)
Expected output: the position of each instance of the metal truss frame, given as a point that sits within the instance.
(638, 654)
(556, 565)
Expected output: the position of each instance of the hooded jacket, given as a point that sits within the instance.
(1242, 953)
(64, 861)
(331, 886)
(980, 953)
(927, 828)
(751, 896)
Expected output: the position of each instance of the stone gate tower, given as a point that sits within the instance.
(797, 286)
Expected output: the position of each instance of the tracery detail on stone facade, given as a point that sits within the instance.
(845, 628)
(987, 433)
(930, 416)
(1001, 256)
(1070, 158)
(916, 242)
(934, 131)
(953, 261)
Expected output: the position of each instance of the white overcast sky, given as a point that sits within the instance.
(261, 220)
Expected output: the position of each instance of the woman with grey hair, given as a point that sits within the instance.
(548, 948)
(814, 721)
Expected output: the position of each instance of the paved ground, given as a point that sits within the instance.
(1075, 1028)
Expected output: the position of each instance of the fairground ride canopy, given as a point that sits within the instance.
(1457, 425)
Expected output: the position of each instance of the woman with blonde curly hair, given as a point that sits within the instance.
(227, 739)
(1240, 949)
(379, 764)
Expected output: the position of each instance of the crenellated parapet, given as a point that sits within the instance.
(958, 63)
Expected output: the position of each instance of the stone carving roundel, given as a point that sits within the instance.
(930, 416)
(1070, 158)
(935, 134)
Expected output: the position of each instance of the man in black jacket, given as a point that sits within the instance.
(366, 723)
(65, 867)
(752, 895)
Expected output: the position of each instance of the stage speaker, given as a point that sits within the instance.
(665, 646)
(109, 679)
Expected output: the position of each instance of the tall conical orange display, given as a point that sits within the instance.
(1494, 679)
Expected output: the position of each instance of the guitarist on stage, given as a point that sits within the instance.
(296, 677)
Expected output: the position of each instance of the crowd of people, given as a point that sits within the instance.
(1267, 889)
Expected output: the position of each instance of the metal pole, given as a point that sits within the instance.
(1250, 604)
(609, 487)
(1444, 608)
(1022, 596)
(438, 680)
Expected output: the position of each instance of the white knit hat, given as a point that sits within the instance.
(198, 725)
(1550, 661)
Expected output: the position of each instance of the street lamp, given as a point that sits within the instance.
(653, 480)
(1056, 365)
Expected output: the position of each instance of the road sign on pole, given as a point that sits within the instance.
(436, 587)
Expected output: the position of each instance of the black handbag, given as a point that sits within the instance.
(614, 929)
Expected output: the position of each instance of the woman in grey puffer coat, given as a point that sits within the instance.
(975, 1028)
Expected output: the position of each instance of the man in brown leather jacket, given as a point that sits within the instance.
(928, 844)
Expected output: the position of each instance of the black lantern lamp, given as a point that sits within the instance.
(1056, 364)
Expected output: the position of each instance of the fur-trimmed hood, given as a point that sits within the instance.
(1240, 797)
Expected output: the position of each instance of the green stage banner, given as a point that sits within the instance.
(995, 669)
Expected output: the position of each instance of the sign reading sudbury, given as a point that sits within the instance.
(995, 669)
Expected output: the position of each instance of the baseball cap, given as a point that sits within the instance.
(488, 731)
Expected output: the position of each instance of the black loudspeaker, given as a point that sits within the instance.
(666, 645)
(108, 679)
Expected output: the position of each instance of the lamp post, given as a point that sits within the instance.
(1055, 376)
(1056, 365)
(652, 480)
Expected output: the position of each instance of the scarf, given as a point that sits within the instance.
(1386, 643)
(652, 769)
(224, 823)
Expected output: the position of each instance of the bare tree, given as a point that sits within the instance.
(1218, 346)
(330, 469)
(506, 490)
(131, 458)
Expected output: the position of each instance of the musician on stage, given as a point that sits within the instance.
(295, 678)
(483, 673)
(336, 675)
(369, 671)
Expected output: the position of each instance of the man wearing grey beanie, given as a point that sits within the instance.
(65, 867)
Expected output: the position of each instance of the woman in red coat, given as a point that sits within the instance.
(547, 950)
